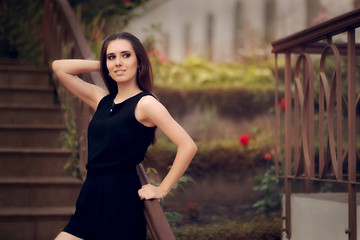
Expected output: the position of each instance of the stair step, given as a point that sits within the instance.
(33, 223)
(27, 95)
(37, 196)
(31, 136)
(19, 75)
(27, 212)
(34, 151)
(27, 126)
(39, 191)
(44, 181)
(34, 162)
(30, 114)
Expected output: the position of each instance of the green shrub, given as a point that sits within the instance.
(257, 229)
(195, 72)
(20, 30)
(269, 185)
(227, 155)
(229, 102)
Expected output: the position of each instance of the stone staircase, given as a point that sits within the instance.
(37, 196)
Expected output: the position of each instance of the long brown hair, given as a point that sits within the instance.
(144, 77)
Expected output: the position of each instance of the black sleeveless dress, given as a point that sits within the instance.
(109, 206)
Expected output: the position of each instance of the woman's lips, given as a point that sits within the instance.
(119, 72)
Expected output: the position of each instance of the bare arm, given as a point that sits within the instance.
(66, 71)
(149, 110)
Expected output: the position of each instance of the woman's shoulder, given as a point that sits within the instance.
(149, 105)
(147, 99)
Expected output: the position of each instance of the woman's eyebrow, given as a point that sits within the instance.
(125, 51)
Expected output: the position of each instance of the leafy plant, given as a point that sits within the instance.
(269, 186)
(259, 228)
(70, 137)
(193, 210)
(115, 13)
(20, 30)
(101, 18)
(173, 216)
(180, 183)
(196, 72)
(219, 155)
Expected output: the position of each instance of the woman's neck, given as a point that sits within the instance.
(125, 92)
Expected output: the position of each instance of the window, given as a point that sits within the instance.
(209, 35)
(187, 42)
(238, 28)
(269, 31)
(313, 9)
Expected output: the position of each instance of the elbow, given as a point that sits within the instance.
(55, 65)
(189, 149)
(193, 148)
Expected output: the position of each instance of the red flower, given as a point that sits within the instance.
(94, 38)
(127, 1)
(193, 210)
(163, 58)
(322, 16)
(282, 104)
(244, 139)
(267, 156)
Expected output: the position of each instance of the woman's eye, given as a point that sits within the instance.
(126, 55)
(111, 57)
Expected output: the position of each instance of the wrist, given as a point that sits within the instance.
(163, 193)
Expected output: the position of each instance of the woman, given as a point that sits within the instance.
(110, 202)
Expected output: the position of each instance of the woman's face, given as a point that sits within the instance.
(121, 61)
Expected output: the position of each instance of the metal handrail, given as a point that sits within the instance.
(318, 32)
(300, 132)
(64, 39)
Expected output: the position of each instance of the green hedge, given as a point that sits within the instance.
(229, 102)
(21, 24)
(228, 156)
(198, 72)
(237, 89)
(258, 229)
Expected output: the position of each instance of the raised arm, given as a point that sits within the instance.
(66, 71)
(151, 112)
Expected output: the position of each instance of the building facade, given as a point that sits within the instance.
(228, 30)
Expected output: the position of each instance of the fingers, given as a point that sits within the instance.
(150, 192)
(147, 192)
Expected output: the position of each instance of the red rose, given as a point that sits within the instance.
(244, 140)
(94, 38)
(282, 104)
(267, 156)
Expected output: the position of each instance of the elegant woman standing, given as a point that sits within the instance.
(126, 115)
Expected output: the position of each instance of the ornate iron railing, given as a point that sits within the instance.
(318, 139)
(64, 39)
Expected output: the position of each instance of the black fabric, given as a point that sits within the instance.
(108, 206)
(115, 137)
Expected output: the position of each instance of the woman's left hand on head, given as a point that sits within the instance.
(149, 191)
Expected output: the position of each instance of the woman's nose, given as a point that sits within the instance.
(118, 61)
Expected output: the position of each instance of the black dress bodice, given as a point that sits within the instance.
(116, 140)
